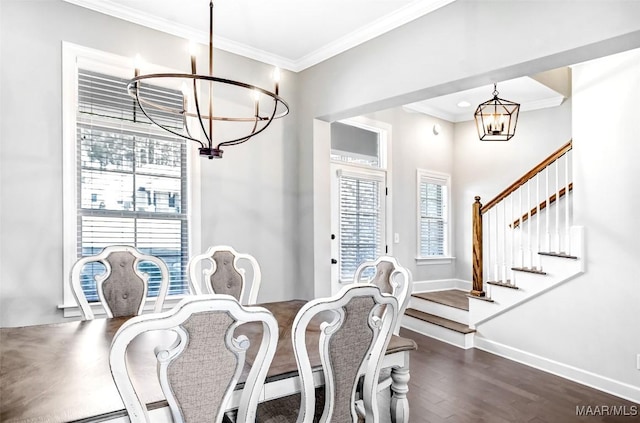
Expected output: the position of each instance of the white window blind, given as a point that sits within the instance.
(132, 180)
(361, 217)
(433, 212)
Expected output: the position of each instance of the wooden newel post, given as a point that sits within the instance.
(477, 249)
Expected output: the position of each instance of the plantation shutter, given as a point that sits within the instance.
(132, 180)
(361, 216)
(433, 214)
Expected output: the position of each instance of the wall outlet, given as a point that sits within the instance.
(396, 238)
(638, 362)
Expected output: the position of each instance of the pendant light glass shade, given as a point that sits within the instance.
(496, 119)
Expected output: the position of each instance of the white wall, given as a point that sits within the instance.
(263, 171)
(592, 323)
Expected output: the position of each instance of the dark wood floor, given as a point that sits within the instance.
(449, 384)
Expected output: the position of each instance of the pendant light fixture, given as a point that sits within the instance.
(496, 119)
(206, 99)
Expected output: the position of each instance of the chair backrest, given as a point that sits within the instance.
(122, 288)
(353, 341)
(200, 371)
(219, 269)
(391, 278)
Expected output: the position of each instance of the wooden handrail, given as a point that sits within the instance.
(543, 205)
(523, 180)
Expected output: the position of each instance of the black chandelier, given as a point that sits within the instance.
(197, 116)
(496, 119)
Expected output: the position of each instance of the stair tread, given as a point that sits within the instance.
(440, 321)
(529, 270)
(506, 285)
(451, 297)
(485, 298)
(561, 255)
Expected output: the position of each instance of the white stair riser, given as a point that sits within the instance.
(440, 333)
(451, 313)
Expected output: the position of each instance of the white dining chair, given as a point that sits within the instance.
(218, 271)
(353, 340)
(122, 288)
(199, 372)
(386, 273)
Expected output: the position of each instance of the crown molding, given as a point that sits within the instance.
(389, 22)
(467, 115)
(398, 18)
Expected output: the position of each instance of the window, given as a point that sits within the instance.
(126, 180)
(361, 235)
(433, 215)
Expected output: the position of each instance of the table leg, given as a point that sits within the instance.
(399, 389)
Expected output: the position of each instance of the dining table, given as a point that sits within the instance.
(60, 372)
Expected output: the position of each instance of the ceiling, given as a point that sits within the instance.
(291, 34)
(460, 106)
(297, 34)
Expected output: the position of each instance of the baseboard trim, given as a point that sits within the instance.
(440, 285)
(583, 377)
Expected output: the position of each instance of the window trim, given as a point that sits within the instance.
(73, 56)
(443, 179)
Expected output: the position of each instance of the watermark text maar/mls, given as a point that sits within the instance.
(607, 410)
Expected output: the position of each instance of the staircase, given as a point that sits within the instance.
(443, 315)
(524, 244)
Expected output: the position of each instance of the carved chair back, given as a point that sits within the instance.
(218, 271)
(200, 371)
(353, 341)
(122, 288)
(391, 278)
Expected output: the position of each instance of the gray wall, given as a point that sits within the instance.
(415, 146)
(248, 198)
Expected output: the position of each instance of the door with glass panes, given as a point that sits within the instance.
(358, 200)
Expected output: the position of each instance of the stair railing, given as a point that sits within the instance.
(525, 219)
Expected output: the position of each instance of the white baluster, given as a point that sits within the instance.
(547, 213)
(567, 238)
(557, 207)
(520, 231)
(496, 253)
(529, 224)
(513, 238)
(504, 240)
(490, 247)
(537, 244)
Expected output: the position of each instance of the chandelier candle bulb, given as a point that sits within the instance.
(137, 61)
(276, 78)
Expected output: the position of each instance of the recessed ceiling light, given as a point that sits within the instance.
(464, 103)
